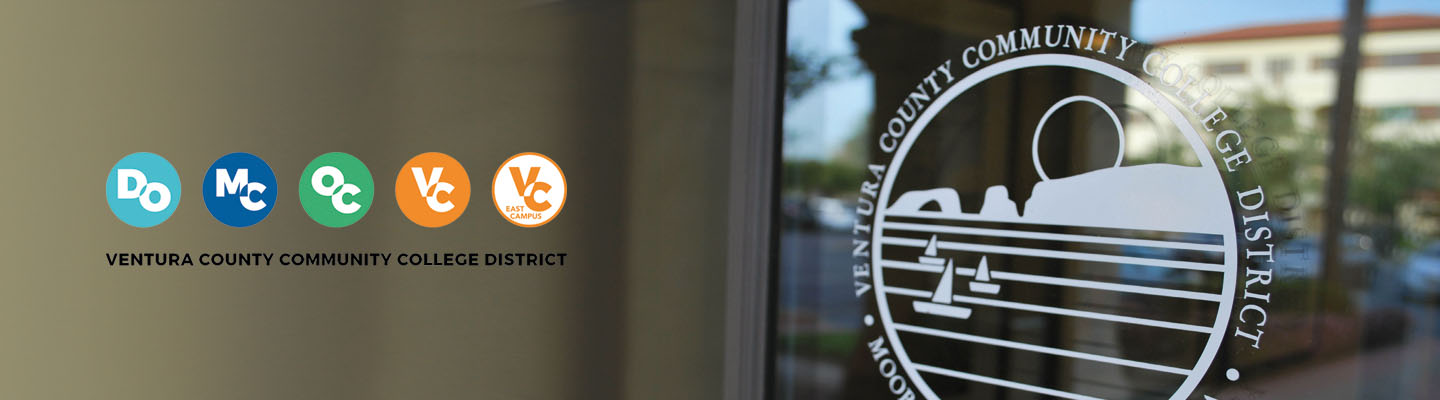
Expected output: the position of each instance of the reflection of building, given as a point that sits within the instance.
(1399, 78)
(1265, 69)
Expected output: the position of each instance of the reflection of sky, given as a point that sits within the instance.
(818, 124)
(1167, 19)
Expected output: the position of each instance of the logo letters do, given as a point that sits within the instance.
(142, 190)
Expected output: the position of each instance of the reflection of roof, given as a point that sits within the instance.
(1332, 27)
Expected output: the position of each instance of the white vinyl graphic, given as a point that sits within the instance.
(921, 232)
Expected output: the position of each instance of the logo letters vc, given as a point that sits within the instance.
(432, 189)
(528, 188)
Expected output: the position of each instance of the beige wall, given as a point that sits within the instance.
(632, 100)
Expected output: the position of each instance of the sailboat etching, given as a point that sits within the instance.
(939, 303)
(982, 283)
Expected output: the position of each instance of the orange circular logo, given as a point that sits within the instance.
(432, 189)
(529, 189)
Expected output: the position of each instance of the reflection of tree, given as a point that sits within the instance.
(1289, 158)
(1384, 173)
(804, 71)
(821, 177)
(1169, 147)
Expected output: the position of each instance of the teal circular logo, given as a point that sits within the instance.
(143, 189)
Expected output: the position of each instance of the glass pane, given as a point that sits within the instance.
(1107, 199)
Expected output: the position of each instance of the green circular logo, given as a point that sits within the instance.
(336, 189)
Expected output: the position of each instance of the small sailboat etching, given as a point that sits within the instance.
(982, 283)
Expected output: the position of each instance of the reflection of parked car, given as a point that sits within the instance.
(796, 213)
(1147, 275)
(1422, 272)
(1301, 257)
(1298, 258)
(833, 214)
(817, 212)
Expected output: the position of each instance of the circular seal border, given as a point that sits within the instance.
(1222, 317)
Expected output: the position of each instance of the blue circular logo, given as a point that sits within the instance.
(143, 189)
(239, 189)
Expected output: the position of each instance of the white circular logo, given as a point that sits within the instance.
(529, 189)
(1124, 257)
